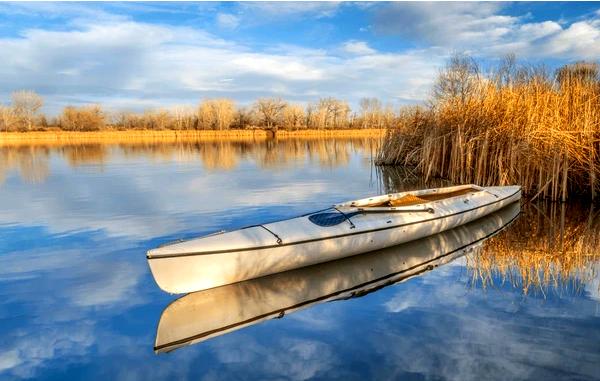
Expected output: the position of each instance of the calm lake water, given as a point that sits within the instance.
(77, 300)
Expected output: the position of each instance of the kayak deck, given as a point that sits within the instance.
(350, 218)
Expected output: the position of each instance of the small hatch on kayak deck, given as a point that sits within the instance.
(327, 219)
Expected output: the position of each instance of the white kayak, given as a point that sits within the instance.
(346, 229)
(210, 313)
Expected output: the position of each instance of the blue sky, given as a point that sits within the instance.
(134, 55)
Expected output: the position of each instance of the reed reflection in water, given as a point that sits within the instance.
(553, 248)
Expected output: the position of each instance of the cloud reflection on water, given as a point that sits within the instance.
(122, 193)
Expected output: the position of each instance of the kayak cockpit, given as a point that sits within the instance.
(413, 197)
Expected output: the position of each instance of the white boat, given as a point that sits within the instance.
(202, 315)
(346, 229)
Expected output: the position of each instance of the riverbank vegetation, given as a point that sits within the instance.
(516, 125)
(22, 115)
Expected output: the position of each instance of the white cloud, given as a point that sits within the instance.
(129, 64)
(60, 323)
(539, 30)
(357, 47)
(286, 9)
(74, 12)
(32, 350)
(100, 281)
(580, 39)
(482, 30)
(9, 359)
(281, 67)
(103, 58)
(228, 21)
(124, 64)
(443, 23)
(285, 357)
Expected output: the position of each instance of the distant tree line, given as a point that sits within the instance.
(23, 114)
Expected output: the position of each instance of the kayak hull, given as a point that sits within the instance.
(272, 248)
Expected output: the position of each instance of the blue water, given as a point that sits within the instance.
(77, 300)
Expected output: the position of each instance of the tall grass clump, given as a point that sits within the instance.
(517, 125)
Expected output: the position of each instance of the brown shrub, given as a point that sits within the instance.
(86, 118)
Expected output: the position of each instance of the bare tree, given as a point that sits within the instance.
(8, 118)
(86, 118)
(311, 110)
(216, 114)
(161, 119)
(332, 113)
(506, 73)
(184, 117)
(458, 80)
(126, 120)
(270, 110)
(371, 113)
(206, 118)
(26, 104)
(318, 117)
(224, 112)
(293, 116)
(243, 118)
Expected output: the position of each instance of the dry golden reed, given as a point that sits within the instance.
(517, 125)
(59, 137)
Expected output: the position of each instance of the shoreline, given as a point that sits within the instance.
(60, 137)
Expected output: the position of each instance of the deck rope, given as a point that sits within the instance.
(279, 240)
